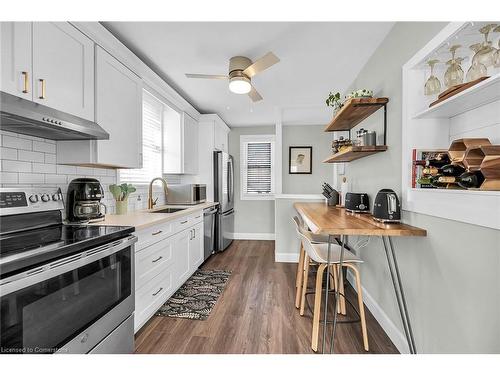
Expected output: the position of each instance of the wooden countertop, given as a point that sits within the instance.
(325, 219)
(145, 218)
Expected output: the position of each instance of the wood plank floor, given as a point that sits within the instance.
(255, 314)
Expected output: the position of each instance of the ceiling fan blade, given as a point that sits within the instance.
(207, 76)
(266, 61)
(254, 95)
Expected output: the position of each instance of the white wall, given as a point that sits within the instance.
(451, 277)
(307, 135)
(251, 216)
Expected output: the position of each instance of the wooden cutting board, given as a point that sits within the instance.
(454, 90)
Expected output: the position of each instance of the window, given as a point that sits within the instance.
(257, 166)
(153, 117)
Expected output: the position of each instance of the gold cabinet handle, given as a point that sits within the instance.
(25, 82)
(42, 81)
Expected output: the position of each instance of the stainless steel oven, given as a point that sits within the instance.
(76, 304)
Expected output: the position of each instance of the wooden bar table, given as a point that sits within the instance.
(335, 221)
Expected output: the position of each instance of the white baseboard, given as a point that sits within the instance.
(396, 336)
(252, 236)
(286, 258)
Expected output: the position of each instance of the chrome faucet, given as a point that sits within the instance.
(151, 202)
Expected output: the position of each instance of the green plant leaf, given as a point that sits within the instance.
(116, 191)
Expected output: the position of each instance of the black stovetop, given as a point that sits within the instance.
(35, 246)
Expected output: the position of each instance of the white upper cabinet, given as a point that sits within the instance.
(15, 47)
(63, 68)
(220, 135)
(119, 112)
(190, 142)
(118, 97)
(180, 143)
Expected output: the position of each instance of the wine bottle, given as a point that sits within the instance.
(439, 160)
(441, 182)
(446, 170)
(467, 180)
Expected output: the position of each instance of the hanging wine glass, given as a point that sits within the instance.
(497, 63)
(476, 70)
(454, 75)
(487, 54)
(432, 86)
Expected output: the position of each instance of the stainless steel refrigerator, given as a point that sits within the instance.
(224, 194)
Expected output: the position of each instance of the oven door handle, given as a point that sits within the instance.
(60, 266)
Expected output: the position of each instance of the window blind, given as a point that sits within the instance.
(259, 168)
(152, 118)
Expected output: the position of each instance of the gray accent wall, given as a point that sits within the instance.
(251, 216)
(451, 277)
(307, 135)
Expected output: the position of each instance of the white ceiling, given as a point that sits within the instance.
(315, 58)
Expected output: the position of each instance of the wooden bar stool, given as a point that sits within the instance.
(318, 253)
(299, 278)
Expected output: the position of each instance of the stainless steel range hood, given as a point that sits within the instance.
(26, 117)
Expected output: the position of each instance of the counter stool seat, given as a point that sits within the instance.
(315, 252)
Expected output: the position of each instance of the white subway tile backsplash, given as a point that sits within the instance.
(31, 178)
(50, 158)
(85, 171)
(44, 147)
(8, 153)
(16, 142)
(31, 156)
(29, 161)
(107, 180)
(100, 172)
(30, 137)
(55, 179)
(8, 178)
(16, 166)
(44, 168)
(66, 169)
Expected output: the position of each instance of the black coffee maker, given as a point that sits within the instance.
(84, 200)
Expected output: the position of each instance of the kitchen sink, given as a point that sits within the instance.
(168, 210)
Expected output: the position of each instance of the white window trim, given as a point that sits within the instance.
(244, 140)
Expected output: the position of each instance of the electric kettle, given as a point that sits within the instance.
(386, 207)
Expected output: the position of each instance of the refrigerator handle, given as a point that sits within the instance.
(230, 179)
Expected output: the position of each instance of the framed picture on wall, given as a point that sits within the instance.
(300, 160)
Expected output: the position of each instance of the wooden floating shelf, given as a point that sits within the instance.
(353, 112)
(356, 152)
(484, 92)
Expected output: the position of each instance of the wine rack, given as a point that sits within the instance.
(490, 167)
(471, 113)
(459, 148)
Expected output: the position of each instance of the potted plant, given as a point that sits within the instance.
(361, 93)
(334, 101)
(121, 193)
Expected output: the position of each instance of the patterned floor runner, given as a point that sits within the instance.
(196, 298)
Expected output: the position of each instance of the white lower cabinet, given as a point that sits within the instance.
(181, 254)
(166, 256)
(196, 251)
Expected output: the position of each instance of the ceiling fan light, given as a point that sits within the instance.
(240, 85)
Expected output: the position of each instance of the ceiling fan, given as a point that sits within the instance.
(241, 71)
